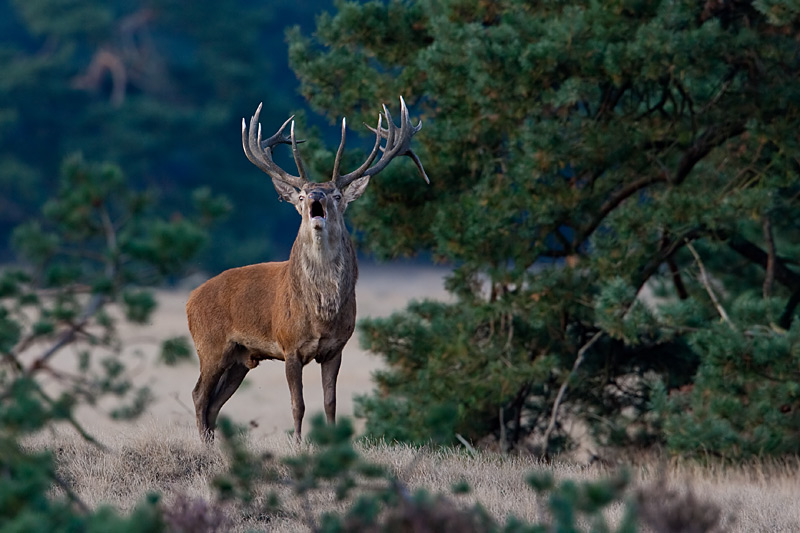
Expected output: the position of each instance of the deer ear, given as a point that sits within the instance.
(355, 189)
(286, 192)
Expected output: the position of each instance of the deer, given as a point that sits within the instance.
(298, 310)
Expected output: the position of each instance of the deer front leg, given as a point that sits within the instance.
(330, 371)
(294, 376)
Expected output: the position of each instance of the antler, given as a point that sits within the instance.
(398, 142)
(260, 152)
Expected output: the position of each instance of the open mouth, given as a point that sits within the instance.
(317, 210)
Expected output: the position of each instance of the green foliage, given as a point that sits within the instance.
(574, 150)
(80, 259)
(176, 350)
(745, 400)
(84, 254)
(26, 499)
(428, 400)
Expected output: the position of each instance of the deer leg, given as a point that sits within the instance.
(330, 371)
(203, 395)
(294, 376)
(226, 386)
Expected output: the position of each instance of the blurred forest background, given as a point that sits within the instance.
(159, 88)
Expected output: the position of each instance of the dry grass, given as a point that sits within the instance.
(163, 453)
(173, 462)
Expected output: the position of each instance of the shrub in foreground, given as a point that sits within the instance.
(376, 499)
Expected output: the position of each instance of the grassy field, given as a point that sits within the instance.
(162, 452)
(172, 461)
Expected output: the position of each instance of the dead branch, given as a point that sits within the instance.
(563, 389)
(709, 289)
(769, 276)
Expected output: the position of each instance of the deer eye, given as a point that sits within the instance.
(337, 197)
(301, 197)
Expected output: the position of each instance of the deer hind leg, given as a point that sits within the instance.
(205, 391)
(330, 371)
(226, 386)
(294, 376)
(202, 395)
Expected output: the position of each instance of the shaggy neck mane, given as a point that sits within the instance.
(323, 274)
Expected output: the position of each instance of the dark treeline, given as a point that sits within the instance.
(158, 87)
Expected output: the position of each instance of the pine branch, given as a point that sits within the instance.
(667, 250)
(677, 280)
(69, 418)
(786, 317)
(67, 337)
(713, 137)
(613, 202)
(783, 275)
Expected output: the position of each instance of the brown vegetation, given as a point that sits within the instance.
(755, 497)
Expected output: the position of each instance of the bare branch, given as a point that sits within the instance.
(467, 445)
(709, 289)
(769, 276)
(67, 488)
(563, 389)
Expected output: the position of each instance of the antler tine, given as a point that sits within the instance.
(260, 152)
(347, 179)
(339, 152)
(383, 134)
(297, 159)
(405, 122)
(391, 129)
(277, 138)
(408, 116)
(398, 142)
(417, 162)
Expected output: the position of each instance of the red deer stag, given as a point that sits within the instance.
(298, 310)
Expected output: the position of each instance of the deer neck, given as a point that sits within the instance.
(323, 271)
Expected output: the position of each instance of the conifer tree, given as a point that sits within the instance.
(582, 155)
(97, 245)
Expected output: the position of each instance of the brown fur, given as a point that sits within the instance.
(296, 311)
(299, 310)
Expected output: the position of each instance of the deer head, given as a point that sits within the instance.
(322, 205)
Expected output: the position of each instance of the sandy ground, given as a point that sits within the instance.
(263, 399)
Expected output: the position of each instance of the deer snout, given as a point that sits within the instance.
(316, 195)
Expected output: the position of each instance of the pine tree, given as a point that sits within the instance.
(581, 154)
(98, 244)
